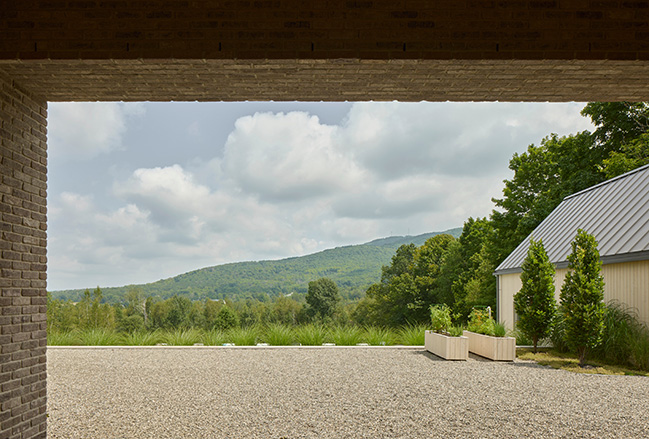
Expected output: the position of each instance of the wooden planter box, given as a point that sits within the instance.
(494, 348)
(449, 348)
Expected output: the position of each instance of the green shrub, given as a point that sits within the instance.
(130, 324)
(243, 336)
(558, 333)
(521, 338)
(277, 334)
(311, 335)
(322, 298)
(481, 323)
(62, 338)
(640, 350)
(215, 337)
(377, 336)
(412, 335)
(440, 318)
(141, 338)
(625, 341)
(226, 319)
(182, 337)
(499, 330)
(345, 335)
(455, 331)
(98, 337)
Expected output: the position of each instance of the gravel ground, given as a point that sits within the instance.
(166, 392)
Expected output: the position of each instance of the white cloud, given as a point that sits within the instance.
(164, 187)
(288, 157)
(285, 184)
(403, 139)
(82, 130)
(69, 201)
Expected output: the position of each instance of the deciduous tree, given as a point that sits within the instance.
(226, 319)
(322, 298)
(543, 176)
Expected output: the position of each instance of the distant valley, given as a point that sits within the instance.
(353, 268)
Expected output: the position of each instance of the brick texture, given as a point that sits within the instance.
(23, 169)
(334, 80)
(324, 29)
(333, 50)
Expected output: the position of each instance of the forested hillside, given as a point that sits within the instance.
(353, 268)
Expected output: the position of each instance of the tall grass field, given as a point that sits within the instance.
(273, 335)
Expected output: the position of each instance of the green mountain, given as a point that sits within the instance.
(353, 268)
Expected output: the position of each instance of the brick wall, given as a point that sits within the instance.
(23, 300)
(319, 29)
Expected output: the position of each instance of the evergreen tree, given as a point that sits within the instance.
(535, 303)
(582, 296)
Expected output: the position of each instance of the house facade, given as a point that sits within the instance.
(616, 212)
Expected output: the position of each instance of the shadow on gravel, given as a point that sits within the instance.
(436, 358)
(428, 355)
(474, 357)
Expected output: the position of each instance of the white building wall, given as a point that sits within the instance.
(627, 283)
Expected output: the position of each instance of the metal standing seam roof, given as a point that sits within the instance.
(616, 212)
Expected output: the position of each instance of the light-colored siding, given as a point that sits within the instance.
(627, 283)
(508, 285)
(559, 278)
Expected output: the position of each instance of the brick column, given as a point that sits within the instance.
(23, 262)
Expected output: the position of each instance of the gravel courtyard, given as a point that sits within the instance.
(331, 392)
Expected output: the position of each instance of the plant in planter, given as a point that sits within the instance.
(444, 340)
(440, 318)
(481, 322)
(487, 338)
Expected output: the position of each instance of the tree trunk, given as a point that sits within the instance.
(582, 356)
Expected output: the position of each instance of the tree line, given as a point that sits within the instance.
(322, 305)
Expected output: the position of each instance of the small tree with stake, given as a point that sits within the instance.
(582, 296)
(535, 303)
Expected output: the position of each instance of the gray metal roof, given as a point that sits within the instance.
(616, 212)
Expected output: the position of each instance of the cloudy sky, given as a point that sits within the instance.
(144, 191)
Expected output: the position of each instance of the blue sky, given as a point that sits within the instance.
(144, 191)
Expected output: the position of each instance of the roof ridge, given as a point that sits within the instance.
(616, 212)
(604, 183)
